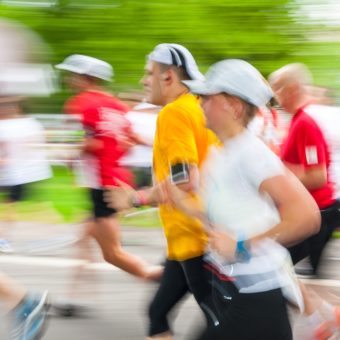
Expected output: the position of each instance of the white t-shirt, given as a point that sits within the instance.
(22, 154)
(232, 177)
(231, 180)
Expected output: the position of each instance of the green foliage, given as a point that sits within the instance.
(59, 199)
(62, 192)
(123, 32)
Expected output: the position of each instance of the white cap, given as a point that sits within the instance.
(86, 65)
(178, 55)
(237, 78)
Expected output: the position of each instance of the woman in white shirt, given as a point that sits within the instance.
(250, 207)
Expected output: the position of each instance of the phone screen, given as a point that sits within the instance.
(179, 173)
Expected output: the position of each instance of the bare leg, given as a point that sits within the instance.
(84, 252)
(311, 300)
(165, 336)
(320, 318)
(10, 291)
(107, 234)
(9, 218)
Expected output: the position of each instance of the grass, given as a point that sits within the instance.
(146, 217)
(60, 200)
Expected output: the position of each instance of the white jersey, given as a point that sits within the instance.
(22, 157)
(328, 119)
(231, 180)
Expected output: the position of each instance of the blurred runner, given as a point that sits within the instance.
(328, 118)
(108, 136)
(307, 154)
(266, 126)
(180, 147)
(21, 161)
(245, 210)
(27, 311)
(22, 75)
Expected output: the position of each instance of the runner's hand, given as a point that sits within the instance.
(184, 201)
(222, 243)
(174, 196)
(121, 197)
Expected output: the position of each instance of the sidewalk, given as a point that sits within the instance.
(57, 239)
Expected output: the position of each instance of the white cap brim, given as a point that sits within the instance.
(66, 67)
(199, 87)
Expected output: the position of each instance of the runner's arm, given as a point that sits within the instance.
(312, 177)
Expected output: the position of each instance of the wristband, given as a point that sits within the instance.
(142, 197)
(242, 253)
(138, 199)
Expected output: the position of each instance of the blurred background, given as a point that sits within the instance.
(266, 33)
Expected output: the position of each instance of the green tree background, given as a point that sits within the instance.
(266, 33)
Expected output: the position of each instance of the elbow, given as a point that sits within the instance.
(316, 222)
(313, 223)
(315, 217)
(311, 216)
(308, 226)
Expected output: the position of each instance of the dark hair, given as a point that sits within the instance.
(249, 112)
(179, 70)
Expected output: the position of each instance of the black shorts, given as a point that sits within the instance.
(100, 207)
(13, 193)
(247, 316)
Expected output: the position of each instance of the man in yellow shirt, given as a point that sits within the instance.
(181, 145)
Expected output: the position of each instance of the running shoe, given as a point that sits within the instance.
(330, 328)
(305, 273)
(29, 318)
(67, 309)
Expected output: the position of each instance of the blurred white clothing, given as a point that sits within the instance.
(22, 155)
(231, 180)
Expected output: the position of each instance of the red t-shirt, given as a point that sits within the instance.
(306, 145)
(103, 118)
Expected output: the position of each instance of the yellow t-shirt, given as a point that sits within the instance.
(181, 136)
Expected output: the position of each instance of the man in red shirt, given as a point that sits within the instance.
(306, 153)
(108, 136)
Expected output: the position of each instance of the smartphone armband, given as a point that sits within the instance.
(179, 173)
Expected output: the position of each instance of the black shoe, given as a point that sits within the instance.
(68, 309)
(306, 273)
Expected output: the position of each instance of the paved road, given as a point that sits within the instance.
(115, 302)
